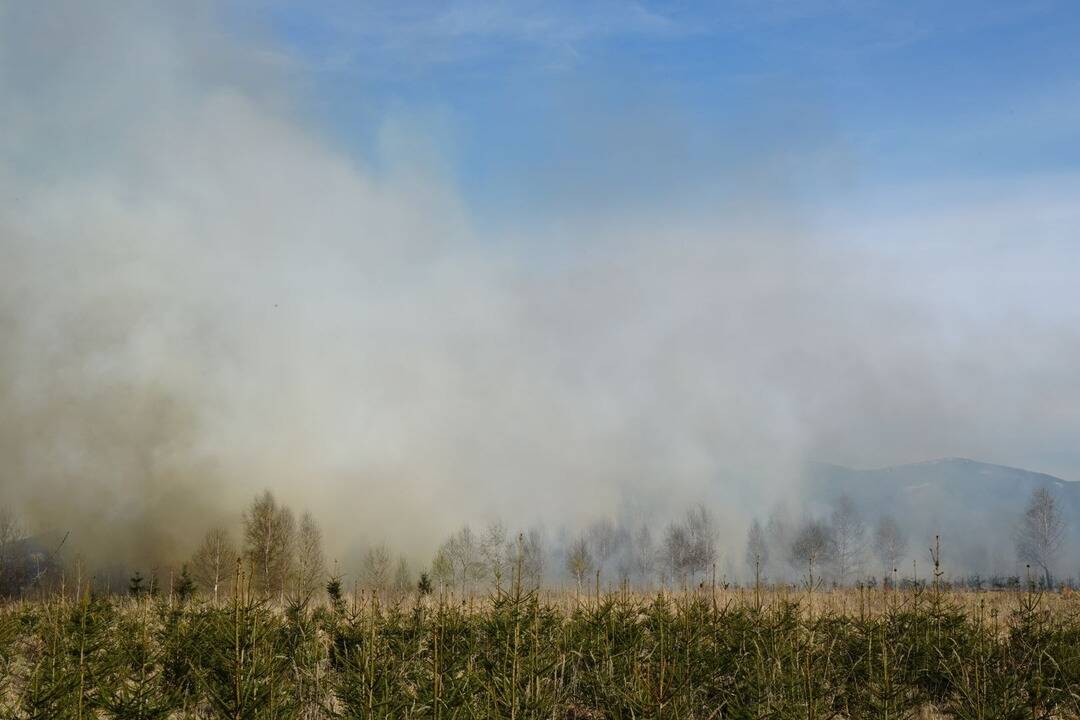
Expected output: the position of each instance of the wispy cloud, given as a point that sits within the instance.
(377, 36)
(359, 36)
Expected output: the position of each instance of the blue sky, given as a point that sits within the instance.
(536, 106)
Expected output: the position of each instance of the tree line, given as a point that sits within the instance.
(283, 554)
(843, 548)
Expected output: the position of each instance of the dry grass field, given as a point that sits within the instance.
(776, 653)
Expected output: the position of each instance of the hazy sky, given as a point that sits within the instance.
(412, 264)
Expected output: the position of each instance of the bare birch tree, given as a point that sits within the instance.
(269, 536)
(779, 533)
(601, 538)
(11, 569)
(849, 539)
(701, 534)
(676, 552)
(214, 563)
(310, 558)
(1041, 533)
(493, 551)
(442, 568)
(890, 543)
(757, 550)
(377, 562)
(526, 555)
(463, 550)
(644, 554)
(403, 579)
(10, 532)
(579, 560)
(811, 547)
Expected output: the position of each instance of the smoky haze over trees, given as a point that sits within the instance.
(601, 539)
(284, 559)
(495, 552)
(486, 359)
(13, 568)
(376, 570)
(10, 533)
(690, 545)
(186, 320)
(890, 544)
(644, 555)
(812, 549)
(828, 543)
(463, 551)
(848, 538)
(757, 550)
(403, 578)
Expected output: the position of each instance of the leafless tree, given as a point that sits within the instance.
(214, 562)
(10, 531)
(442, 568)
(811, 547)
(526, 555)
(463, 550)
(377, 567)
(12, 568)
(1041, 533)
(676, 551)
(701, 533)
(779, 531)
(890, 543)
(493, 551)
(310, 559)
(644, 554)
(601, 538)
(849, 539)
(269, 538)
(535, 556)
(579, 560)
(757, 550)
(403, 579)
(622, 559)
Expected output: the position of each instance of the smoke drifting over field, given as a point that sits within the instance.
(201, 296)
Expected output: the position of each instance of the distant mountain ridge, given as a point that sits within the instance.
(973, 506)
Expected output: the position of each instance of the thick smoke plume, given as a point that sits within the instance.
(202, 296)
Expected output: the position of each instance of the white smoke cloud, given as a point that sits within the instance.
(201, 296)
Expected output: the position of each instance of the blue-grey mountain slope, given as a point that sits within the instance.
(975, 507)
